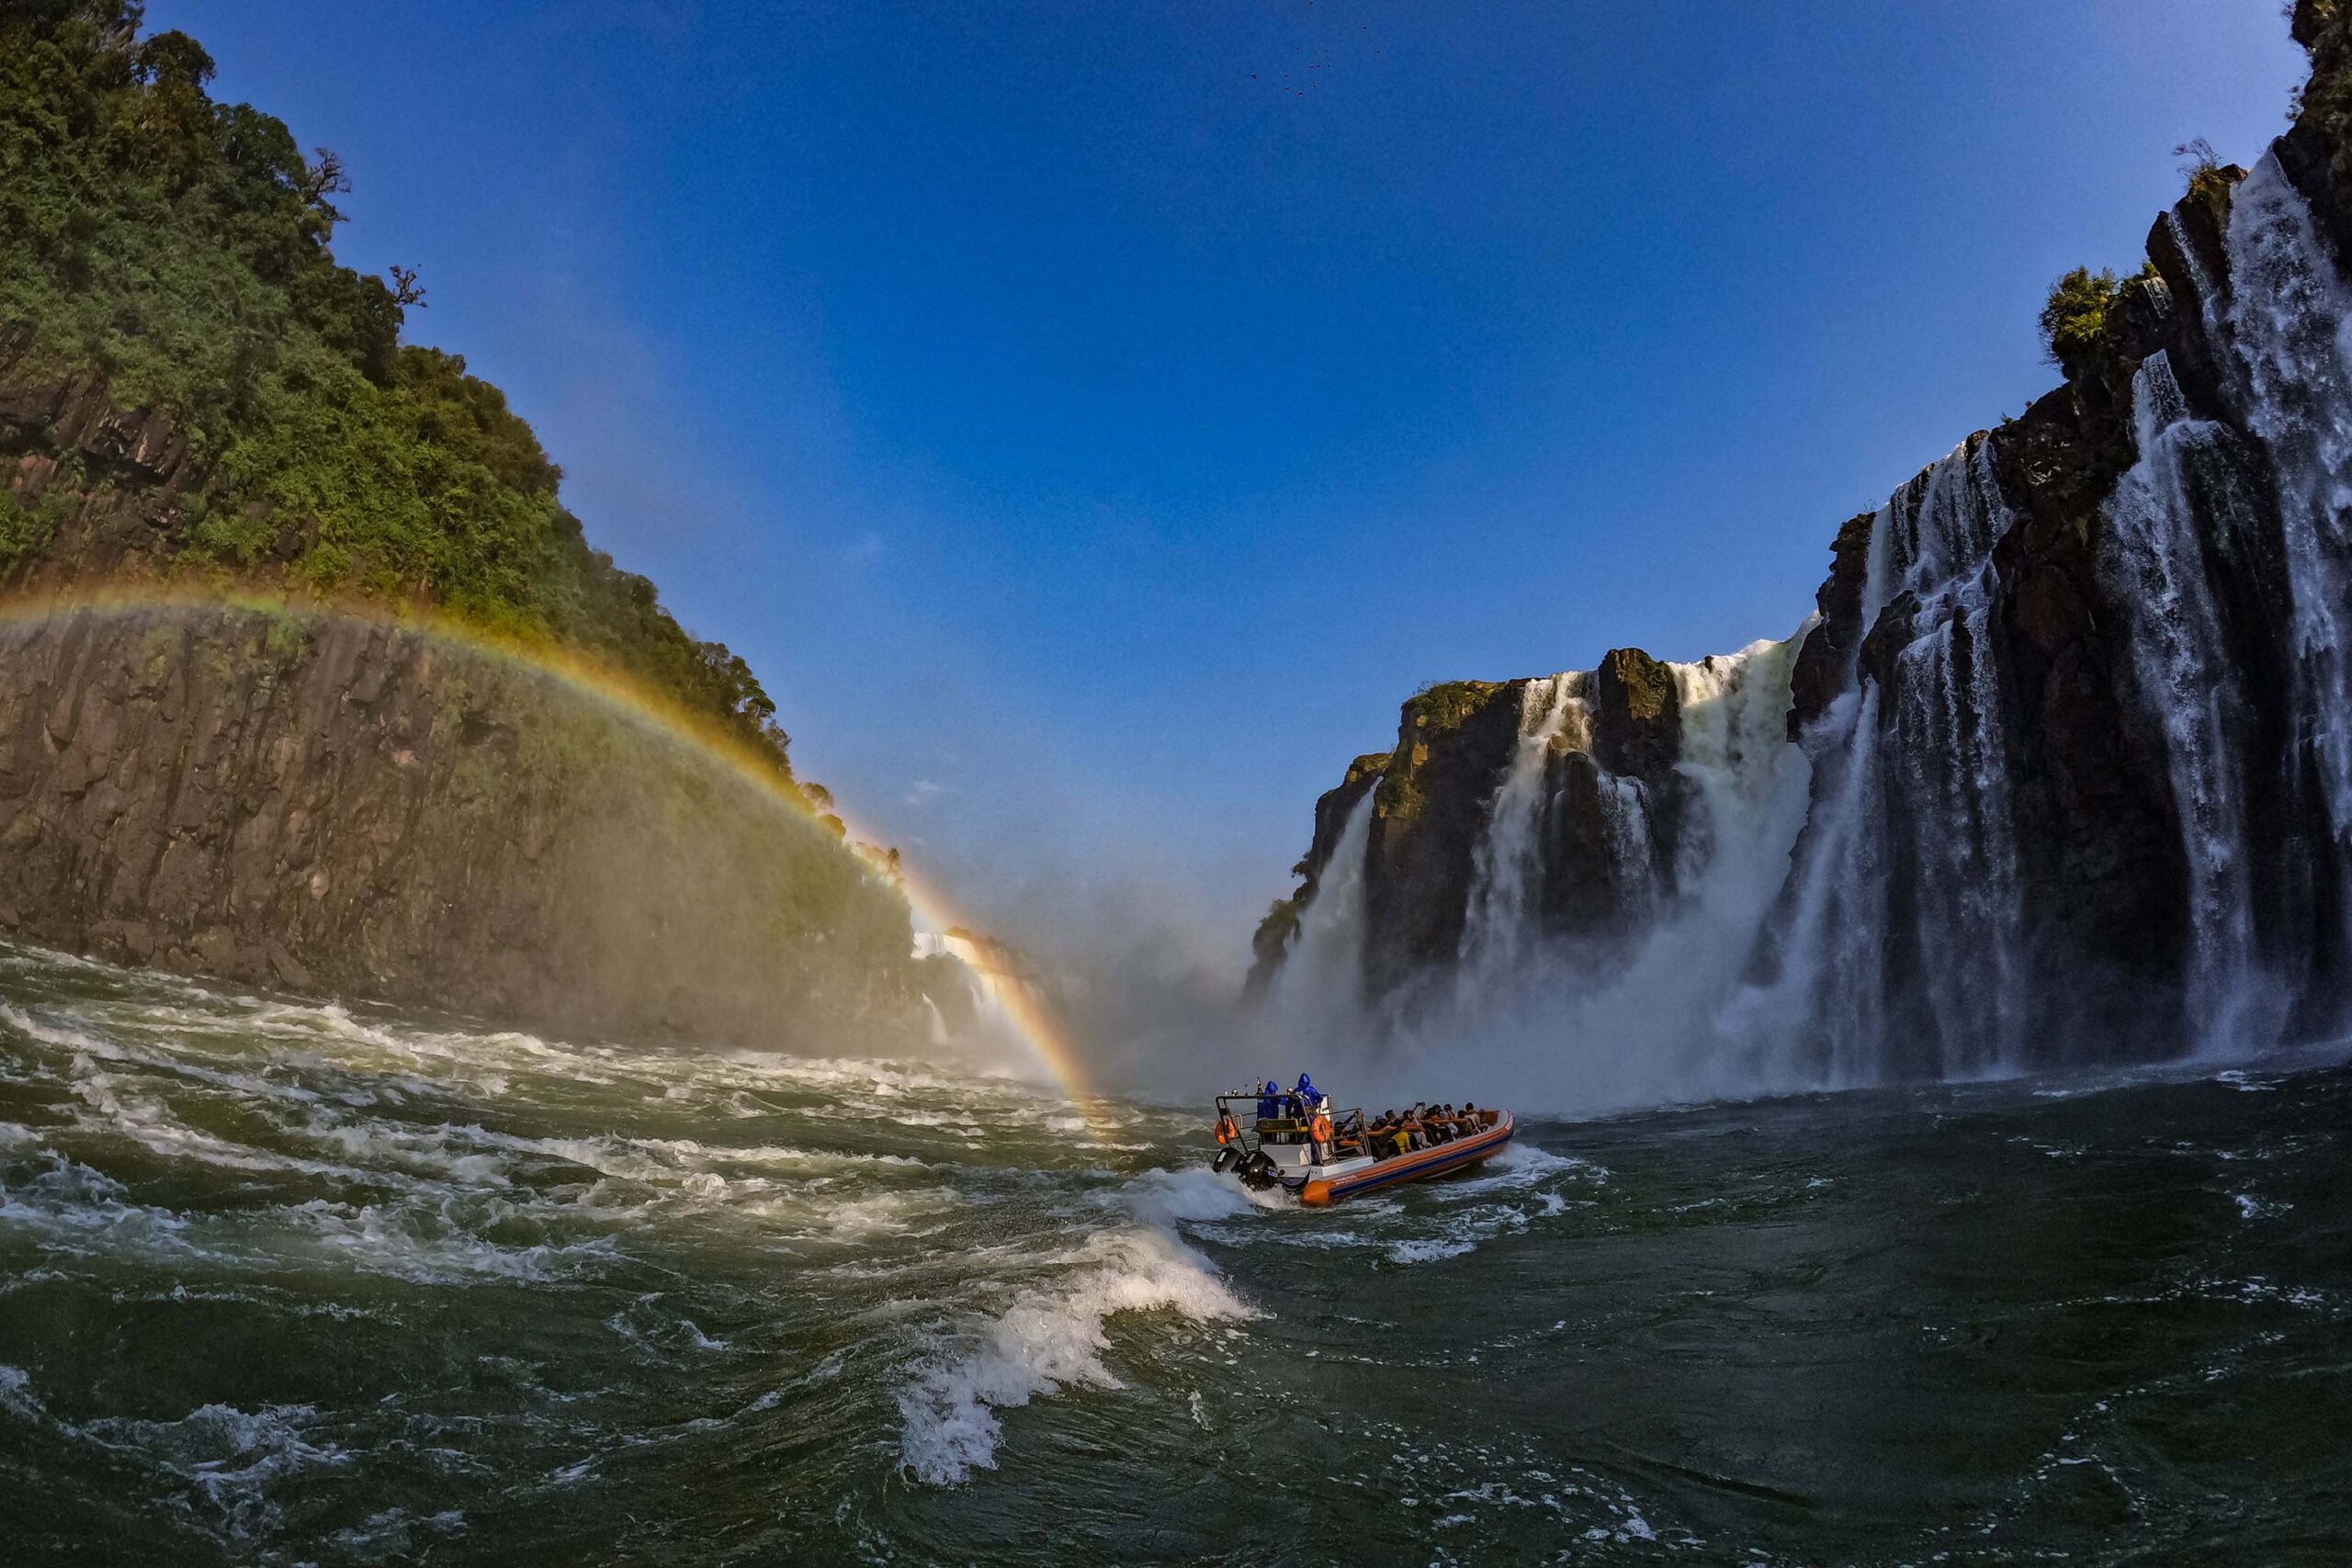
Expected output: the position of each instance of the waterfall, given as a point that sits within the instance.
(2286, 323)
(1508, 865)
(1322, 980)
(1852, 910)
(2190, 682)
(1620, 1016)
(1906, 907)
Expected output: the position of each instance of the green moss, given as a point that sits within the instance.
(1648, 684)
(26, 529)
(2075, 317)
(1442, 706)
(2082, 321)
(1272, 937)
(1400, 797)
(284, 636)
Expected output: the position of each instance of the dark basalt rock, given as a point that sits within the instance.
(1453, 745)
(1272, 941)
(1636, 714)
(310, 800)
(1826, 661)
(328, 802)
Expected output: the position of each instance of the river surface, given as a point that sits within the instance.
(282, 1283)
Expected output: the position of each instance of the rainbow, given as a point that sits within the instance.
(609, 686)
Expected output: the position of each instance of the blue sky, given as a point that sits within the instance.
(1092, 420)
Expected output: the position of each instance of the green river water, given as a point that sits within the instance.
(283, 1283)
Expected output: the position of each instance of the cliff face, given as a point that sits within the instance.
(1581, 775)
(318, 800)
(2073, 717)
(324, 803)
(200, 406)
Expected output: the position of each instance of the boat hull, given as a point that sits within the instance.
(1435, 1160)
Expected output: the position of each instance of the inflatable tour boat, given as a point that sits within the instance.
(1323, 1155)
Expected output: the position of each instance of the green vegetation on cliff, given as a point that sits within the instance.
(180, 246)
(1430, 713)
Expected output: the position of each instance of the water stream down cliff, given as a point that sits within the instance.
(2061, 770)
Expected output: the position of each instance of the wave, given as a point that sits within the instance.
(1052, 1336)
(1046, 1340)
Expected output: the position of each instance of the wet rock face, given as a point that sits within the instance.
(327, 804)
(1636, 714)
(1453, 743)
(1825, 662)
(1271, 942)
(334, 805)
(1603, 828)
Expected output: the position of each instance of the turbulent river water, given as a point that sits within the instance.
(284, 1282)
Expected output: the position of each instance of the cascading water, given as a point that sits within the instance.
(2285, 324)
(1321, 982)
(1500, 919)
(1916, 803)
(1887, 939)
(1617, 1016)
(2190, 682)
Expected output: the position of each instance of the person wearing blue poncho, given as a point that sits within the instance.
(1307, 1095)
(1270, 1102)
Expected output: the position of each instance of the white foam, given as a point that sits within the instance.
(1460, 1233)
(1193, 1194)
(1050, 1338)
(1517, 1166)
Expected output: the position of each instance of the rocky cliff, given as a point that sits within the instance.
(319, 801)
(2074, 715)
(307, 677)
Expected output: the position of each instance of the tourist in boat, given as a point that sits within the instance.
(1270, 1102)
(1350, 1139)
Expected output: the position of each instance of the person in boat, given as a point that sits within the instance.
(1415, 1134)
(1400, 1141)
(1270, 1101)
(1349, 1138)
(1307, 1095)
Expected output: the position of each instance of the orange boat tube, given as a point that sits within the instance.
(1435, 1160)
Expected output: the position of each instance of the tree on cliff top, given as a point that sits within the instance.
(183, 248)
